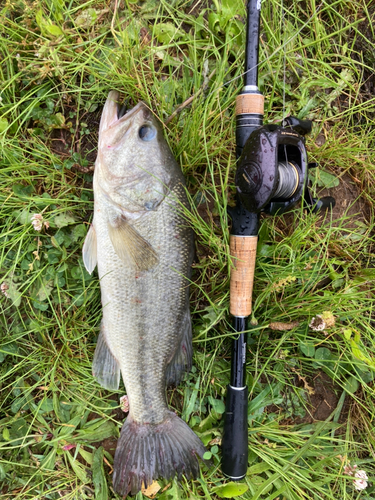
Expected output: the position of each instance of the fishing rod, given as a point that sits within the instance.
(271, 177)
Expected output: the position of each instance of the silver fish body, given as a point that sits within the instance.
(143, 249)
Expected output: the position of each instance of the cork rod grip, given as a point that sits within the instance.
(243, 251)
(250, 104)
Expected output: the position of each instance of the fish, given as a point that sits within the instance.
(143, 248)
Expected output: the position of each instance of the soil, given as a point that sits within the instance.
(349, 202)
(64, 143)
(321, 402)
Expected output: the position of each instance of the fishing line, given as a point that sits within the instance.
(282, 33)
(283, 36)
(273, 54)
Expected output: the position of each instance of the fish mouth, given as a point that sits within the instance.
(114, 113)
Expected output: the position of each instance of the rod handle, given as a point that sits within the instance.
(235, 437)
(250, 104)
(243, 250)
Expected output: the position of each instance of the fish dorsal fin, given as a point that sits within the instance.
(131, 247)
(89, 250)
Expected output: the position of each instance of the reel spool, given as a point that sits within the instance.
(288, 181)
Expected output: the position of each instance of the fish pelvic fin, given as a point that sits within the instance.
(89, 250)
(105, 367)
(131, 247)
(182, 360)
(149, 451)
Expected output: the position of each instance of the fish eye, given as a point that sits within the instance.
(147, 132)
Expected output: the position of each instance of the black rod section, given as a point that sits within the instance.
(252, 42)
(238, 365)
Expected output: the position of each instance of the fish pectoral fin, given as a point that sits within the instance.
(89, 250)
(105, 367)
(131, 247)
(182, 359)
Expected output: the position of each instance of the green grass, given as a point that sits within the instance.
(58, 61)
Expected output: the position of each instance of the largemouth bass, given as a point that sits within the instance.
(143, 249)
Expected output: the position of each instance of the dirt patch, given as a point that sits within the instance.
(66, 143)
(108, 444)
(322, 402)
(349, 203)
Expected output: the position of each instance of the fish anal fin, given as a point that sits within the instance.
(105, 367)
(181, 361)
(130, 246)
(89, 250)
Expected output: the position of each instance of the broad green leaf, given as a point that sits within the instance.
(347, 333)
(46, 406)
(230, 490)
(207, 423)
(173, 493)
(190, 402)
(6, 349)
(13, 293)
(3, 124)
(86, 455)
(86, 18)
(165, 32)
(23, 216)
(98, 475)
(351, 385)
(230, 8)
(49, 460)
(54, 30)
(63, 220)
(258, 468)
(23, 191)
(19, 430)
(44, 291)
(217, 405)
(97, 433)
(323, 178)
(62, 413)
(323, 354)
(307, 348)
(59, 120)
(79, 232)
(41, 22)
(77, 468)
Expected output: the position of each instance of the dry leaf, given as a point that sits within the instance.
(152, 490)
(328, 318)
(282, 327)
(307, 387)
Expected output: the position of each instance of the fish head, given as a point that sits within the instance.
(134, 161)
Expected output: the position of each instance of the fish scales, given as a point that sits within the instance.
(140, 242)
(138, 303)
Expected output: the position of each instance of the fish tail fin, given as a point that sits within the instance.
(146, 452)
